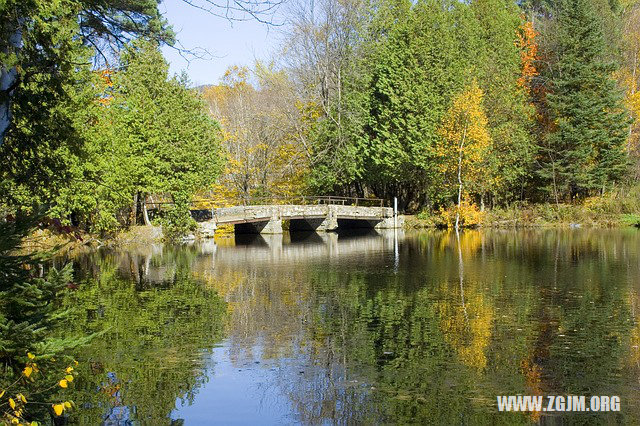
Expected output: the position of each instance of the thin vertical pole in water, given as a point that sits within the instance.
(395, 212)
(395, 234)
(396, 253)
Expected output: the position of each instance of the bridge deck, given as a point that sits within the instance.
(248, 214)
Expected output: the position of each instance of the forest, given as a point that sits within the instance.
(450, 106)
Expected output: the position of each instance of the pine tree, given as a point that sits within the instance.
(27, 300)
(585, 149)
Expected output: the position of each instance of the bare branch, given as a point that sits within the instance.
(262, 11)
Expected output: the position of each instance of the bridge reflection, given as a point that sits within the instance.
(296, 247)
(156, 263)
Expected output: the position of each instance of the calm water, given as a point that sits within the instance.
(361, 329)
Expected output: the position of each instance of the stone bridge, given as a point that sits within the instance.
(268, 219)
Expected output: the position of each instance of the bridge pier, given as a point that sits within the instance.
(330, 223)
(327, 223)
(390, 223)
(271, 226)
(207, 229)
(274, 226)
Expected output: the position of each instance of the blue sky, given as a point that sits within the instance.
(230, 43)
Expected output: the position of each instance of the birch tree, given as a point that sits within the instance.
(465, 145)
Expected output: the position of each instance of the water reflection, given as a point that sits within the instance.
(327, 328)
(153, 325)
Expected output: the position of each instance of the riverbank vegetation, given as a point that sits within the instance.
(465, 111)
(35, 368)
(617, 208)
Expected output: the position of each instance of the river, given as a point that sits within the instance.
(427, 327)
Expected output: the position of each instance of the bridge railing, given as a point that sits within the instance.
(307, 199)
(205, 202)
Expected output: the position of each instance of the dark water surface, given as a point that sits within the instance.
(427, 328)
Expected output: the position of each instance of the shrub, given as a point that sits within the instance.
(470, 215)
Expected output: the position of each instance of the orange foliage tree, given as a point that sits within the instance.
(528, 55)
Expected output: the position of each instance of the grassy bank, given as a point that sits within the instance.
(618, 209)
(77, 241)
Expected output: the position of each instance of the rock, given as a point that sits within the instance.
(207, 229)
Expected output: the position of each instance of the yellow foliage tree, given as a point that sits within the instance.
(465, 144)
(264, 135)
(629, 76)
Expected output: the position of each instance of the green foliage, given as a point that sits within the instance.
(149, 135)
(409, 62)
(416, 71)
(584, 151)
(45, 69)
(36, 147)
(27, 296)
(405, 67)
(30, 310)
(341, 114)
(177, 222)
(153, 338)
(555, 116)
(510, 115)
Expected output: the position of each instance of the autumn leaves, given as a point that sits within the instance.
(465, 145)
(15, 409)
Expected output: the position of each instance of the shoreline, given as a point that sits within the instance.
(141, 235)
(415, 223)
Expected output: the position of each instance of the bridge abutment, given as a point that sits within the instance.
(390, 223)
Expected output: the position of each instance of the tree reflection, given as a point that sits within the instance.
(150, 347)
(488, 322)
(430, 332)
(467, 325)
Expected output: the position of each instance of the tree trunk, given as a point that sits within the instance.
(134, 210)
(9, 80)
(460, 151)
(461, 276)
(633, 91)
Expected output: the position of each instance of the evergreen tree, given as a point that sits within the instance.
(416, 71)
(27, 297)
(43, 66)
(151, 134)
(585, 149)
(498, 66)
